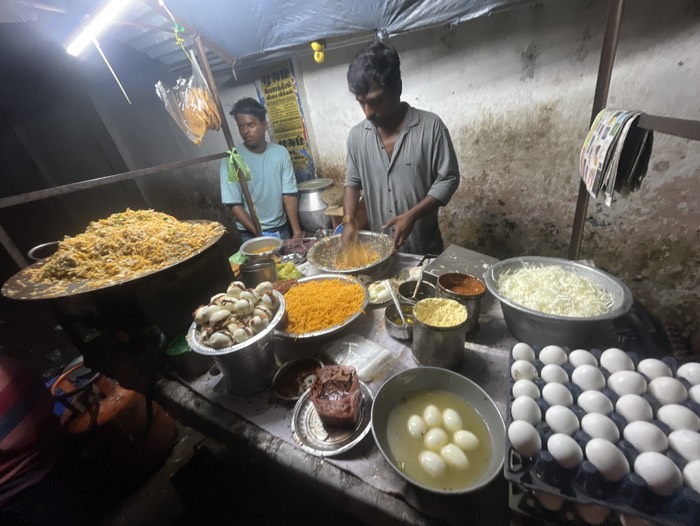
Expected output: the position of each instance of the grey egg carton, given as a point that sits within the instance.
(584, 484)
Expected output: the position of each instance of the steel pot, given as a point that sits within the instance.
(312, 207)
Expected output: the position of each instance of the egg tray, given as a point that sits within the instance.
(584, 484)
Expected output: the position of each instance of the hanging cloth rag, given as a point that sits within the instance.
(615, 154)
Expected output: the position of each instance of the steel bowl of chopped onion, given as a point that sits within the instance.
(554, 301)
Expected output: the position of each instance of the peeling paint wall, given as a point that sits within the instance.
(516, 92)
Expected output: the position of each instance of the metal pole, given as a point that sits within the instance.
(227, 131)
(600, 99)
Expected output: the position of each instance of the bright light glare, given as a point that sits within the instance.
(96, 26)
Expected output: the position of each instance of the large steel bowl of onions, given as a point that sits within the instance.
(553, 301)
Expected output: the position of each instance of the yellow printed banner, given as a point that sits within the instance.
(278, 90)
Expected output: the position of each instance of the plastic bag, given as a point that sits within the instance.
(369, 359)
(191, 104)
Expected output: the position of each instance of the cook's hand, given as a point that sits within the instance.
(403, 225)
(298, 234)
(348, 234)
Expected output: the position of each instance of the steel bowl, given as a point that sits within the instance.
(247, 367)
(261, 248)
(330, 331)
(401, 385)
(324, 252)
(426, 290)
(392, 321)
(537, 328)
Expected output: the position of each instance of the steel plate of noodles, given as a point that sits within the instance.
(321, 304)
(122, 247)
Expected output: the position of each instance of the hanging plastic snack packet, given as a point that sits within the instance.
(191, 104)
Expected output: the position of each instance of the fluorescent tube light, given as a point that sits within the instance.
(96, 26)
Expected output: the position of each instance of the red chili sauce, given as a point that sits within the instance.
(462, 284)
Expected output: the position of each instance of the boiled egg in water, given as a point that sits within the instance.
(435, 439)
(565, 450)
(432, 416)
(645, 436)
(432, 463)
(561, 420)
(600, 426)
(609, 460)
(668, 390)
(633, 407)
(614, 360)
(525, 388)
(466, 440)
(524, 438)
(554, 373)
(454, 457)
(416, 426)
(595, 402)
(659, 472)
(523, 351)
(553, 354)
(526, 409)
(653, 368)
(686, 443)
(627, 382)
(582, 357)
(557, 394)
(588, 377)
(451, 420)
(689, 371)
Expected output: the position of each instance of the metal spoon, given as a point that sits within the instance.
(390, 288)
(420, 279)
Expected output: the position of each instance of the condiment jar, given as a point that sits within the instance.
(467, 290)
(438, 345)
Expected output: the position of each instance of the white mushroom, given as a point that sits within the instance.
(257, 324)
(242, 335)
(263, 312)
(263, 288)
(243, 307)
(270, 301)
(202, 314)
(235, 289)
(249, 295)
(216, 297)
(220, 317)
(219, 340)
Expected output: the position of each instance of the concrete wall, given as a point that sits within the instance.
(516, 91)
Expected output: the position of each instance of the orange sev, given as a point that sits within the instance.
(317, 305)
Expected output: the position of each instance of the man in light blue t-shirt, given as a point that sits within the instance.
(273, 188)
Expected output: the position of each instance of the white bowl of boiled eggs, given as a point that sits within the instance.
(598, 405)
(439, 430)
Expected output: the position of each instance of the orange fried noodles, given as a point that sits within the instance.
(318, 305)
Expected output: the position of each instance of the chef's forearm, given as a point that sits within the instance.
(291, 208)
(351, 199)
(243, 218)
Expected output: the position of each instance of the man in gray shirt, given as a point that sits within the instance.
(400, 158)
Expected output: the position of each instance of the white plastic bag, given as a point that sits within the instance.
(369, 359)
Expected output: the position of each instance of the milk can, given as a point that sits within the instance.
(311, 206)
(439, 343)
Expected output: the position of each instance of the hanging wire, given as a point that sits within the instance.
(99, 50)
(177, 29)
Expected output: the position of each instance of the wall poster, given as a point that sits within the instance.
(278, 92)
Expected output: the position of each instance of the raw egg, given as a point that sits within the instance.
(588, 377)
(524, 438)
(523, 369)
(525, 387)
(645, 436)
(615, 360)
(686, 443)
(553, 354)
(525, 408)
(582, 357)
(557, 394)
(659, 472)
(600, 426)
(633, 407)
(595, 402)
(653, 368)
(554, 373)
(561, 420)
(565, 450)
(609, 460)
(627, 382)
(522, 351)
(678, 416)
(668, 390)
(689, 371)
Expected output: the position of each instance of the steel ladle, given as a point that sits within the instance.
(390, 288)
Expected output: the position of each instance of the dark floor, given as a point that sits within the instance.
(200, 482)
